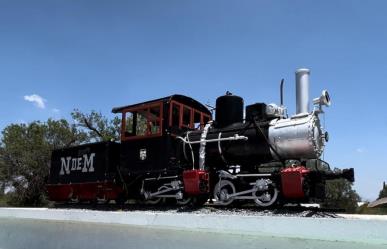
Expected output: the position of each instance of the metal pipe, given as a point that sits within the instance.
(160, 178)
(253, 175)
(203, 141)
(282, 92)
(302, 90)
(233, 138)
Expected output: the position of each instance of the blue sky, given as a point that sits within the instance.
(101, 54)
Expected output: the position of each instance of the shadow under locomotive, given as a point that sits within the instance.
(171, 149)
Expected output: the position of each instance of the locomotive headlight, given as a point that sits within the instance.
(324, 99)
(326, 136)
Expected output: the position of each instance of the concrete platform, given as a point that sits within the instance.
(56, 228)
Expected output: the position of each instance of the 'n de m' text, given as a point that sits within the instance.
(84, 164)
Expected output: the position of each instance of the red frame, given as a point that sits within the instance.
(86, 191)
(292, 181)
(147, 134)
(192, 110)
(196, 182)
(160, 118)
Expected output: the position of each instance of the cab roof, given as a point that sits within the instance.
(177, 97)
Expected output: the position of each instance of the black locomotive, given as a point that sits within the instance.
(172, 149)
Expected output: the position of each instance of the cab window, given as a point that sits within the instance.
(175, 115)
(197, 119)
(141, 122)
(186, 118)
(154, 120)
(130, 122)
(205, 119)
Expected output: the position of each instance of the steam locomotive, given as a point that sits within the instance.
(172, 149)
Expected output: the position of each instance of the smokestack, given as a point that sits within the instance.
(302, 90)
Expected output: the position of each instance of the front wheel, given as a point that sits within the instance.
(267, 198)
(222, 191)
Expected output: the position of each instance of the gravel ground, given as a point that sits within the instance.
(265, 212)
(212, 209)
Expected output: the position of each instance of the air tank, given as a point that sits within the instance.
(229, 110)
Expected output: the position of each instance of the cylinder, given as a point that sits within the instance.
(229, 110)
(302, 90)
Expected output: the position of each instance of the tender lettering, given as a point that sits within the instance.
(79, 164)
(65, 167)
(73, 164)
(84, 163)
(88, 163)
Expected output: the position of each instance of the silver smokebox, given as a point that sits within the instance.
(302, 90)
(297, 137)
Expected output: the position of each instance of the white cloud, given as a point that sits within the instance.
(360, 150)
(37, 100)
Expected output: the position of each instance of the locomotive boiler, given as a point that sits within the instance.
(171, 148)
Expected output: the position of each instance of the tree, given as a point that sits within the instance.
(97, 126)
(25, 153)
(3, 173)
(339, 194)
(383, 192)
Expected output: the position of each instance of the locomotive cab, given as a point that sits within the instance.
(149, 130)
